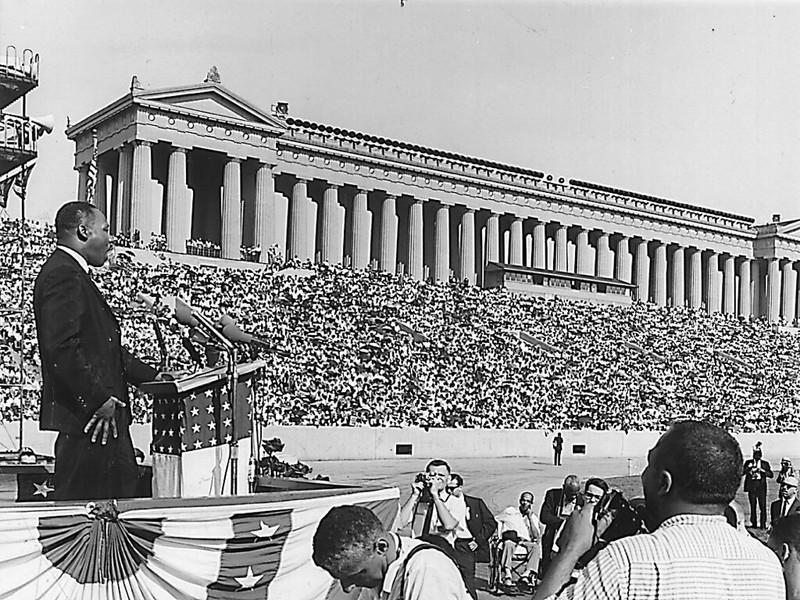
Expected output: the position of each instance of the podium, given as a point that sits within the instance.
(194, 422)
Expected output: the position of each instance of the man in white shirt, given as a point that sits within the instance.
(520, 527)
(692, 473)
(435, 512)
(352, 545)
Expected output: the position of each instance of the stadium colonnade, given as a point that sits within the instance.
(198, 162)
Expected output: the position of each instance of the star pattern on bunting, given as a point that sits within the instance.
(201, 419)
(249, 580)
(42, 489)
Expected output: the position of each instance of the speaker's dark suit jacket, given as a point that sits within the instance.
(549, 516)
(481, 524)
(83, 361)
(83, 364)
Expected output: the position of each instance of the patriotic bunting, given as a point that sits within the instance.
(240, 548)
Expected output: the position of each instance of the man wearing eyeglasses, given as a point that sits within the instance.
(787, 503)
(594, 490)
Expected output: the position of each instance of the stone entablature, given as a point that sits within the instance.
(490, 175)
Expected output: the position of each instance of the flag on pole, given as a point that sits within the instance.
(91, 177)
(5, 190)
(21, 180)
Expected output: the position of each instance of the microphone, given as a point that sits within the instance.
(183, 313)
(232, 332)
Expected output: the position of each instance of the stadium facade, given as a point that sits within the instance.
(199, 162)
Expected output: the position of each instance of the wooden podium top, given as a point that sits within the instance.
(199, 379)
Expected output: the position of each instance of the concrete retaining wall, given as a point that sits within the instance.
(365, 443)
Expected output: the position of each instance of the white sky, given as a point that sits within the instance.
(694, 102)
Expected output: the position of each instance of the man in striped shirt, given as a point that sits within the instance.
(692, 474)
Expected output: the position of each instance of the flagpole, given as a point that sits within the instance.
(22, 315)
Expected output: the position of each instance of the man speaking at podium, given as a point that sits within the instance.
(85, 369)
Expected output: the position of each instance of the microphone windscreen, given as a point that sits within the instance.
(183, 314)
(225, 320)
(234, 334)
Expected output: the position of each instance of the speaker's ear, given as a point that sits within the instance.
(81, 232)
(382, 546)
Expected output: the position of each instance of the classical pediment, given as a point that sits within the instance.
(210, 100)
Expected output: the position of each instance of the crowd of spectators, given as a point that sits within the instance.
(370, 348)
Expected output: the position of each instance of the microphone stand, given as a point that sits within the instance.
(232, 384)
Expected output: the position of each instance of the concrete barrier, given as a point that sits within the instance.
(369, 443)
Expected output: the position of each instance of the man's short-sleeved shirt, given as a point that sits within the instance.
(429, 574)
(689, 557)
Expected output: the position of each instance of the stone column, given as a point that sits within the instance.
(623, 266)
(232, 209)
(124, 189)
(660, 275)
(745, 305)
(298, 221)
(695, 278)
(789, 276)
(389, 235)
(332, 230)
(83, 182)
(515, 256)
(265, 211)
(467, 255)
(361, 232)
(179, 210)
(678, 280)
(773, 290)
(442, 248)
(560, 263)
(642, 271)
(582, 264)
(493, 238)
(756, 283)
(415, 255)
(605, 259)
(712, 284)
(100, 192)
(539, 246)
(141, 186)
(728, 285)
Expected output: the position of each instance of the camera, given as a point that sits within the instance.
(426, 481)
(626, 522)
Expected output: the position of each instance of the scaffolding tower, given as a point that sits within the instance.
(19, 75)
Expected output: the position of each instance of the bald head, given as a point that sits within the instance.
(572, 486)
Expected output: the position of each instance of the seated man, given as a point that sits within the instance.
(520, 527)
(353, 546)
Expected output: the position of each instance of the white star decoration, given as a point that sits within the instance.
(208, 394)
(265, 531)
(210, 408)
(196, 428)
(226, 405)
(249, 580)
(42, 489)
(195, 411)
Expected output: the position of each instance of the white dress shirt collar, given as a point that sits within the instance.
(81, 261)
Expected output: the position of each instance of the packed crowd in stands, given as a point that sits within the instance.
(369, 348)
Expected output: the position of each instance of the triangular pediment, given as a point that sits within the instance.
(211, 100)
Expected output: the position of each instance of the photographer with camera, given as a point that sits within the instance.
(692, 474)
(431, 504)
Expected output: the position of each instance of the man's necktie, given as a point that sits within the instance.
(426, 524)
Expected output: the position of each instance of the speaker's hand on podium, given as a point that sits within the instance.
(103, 420)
